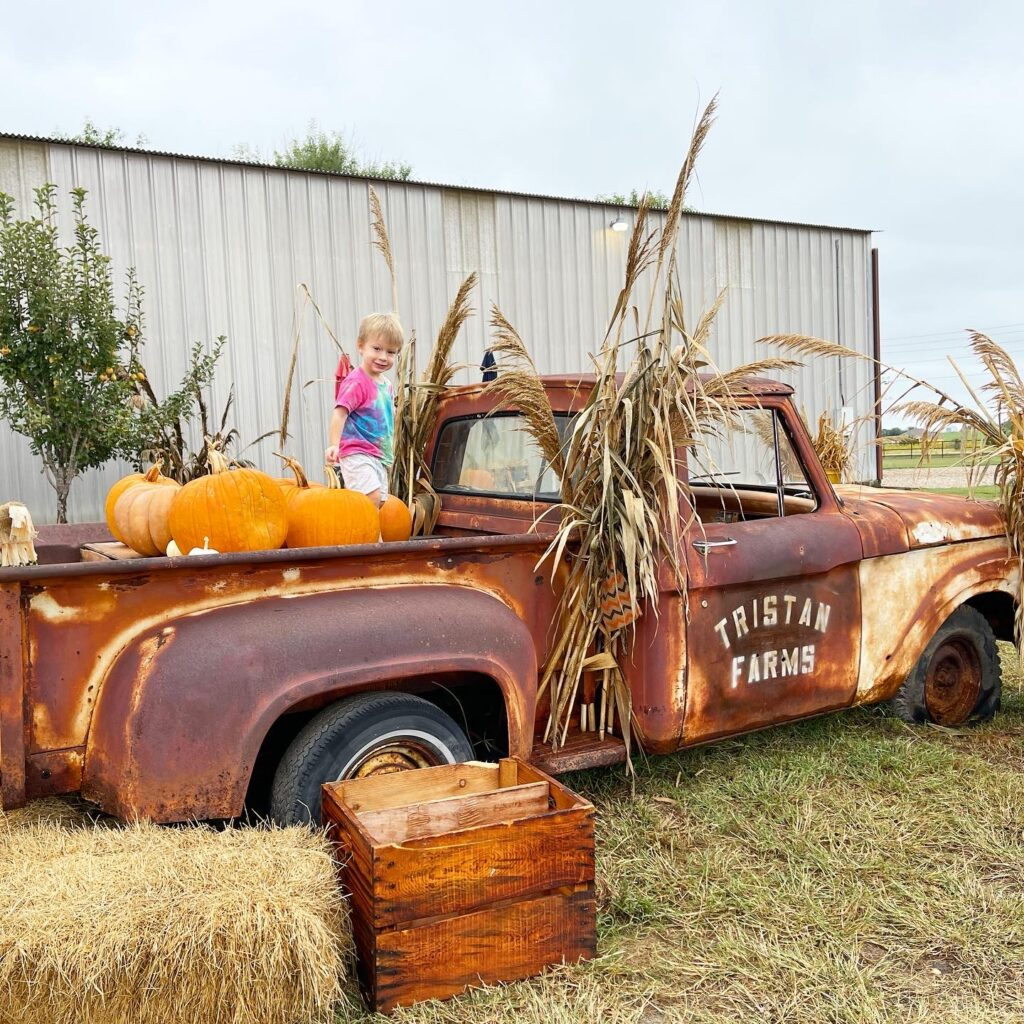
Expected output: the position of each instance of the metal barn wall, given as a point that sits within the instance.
(221, 248)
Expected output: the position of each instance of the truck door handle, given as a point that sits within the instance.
(703, 545)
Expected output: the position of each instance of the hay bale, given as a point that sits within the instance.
(153, 924)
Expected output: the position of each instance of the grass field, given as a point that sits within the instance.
(985, 493)
(846, 869)
(904, 460)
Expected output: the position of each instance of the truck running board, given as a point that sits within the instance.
(581, 750)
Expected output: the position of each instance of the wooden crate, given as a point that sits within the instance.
(462, 875)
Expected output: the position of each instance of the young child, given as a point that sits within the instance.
(362, 428)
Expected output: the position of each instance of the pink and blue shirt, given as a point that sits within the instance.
(370, 426)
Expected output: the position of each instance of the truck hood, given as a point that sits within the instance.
(893, 520)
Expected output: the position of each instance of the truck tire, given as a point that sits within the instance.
(369, 734)
(958, 678)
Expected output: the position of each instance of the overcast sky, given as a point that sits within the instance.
(903, 117)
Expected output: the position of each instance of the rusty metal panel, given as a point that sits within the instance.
(907, 597)
(182, 712)
(12, 707)
(772, 651)
(941, 518)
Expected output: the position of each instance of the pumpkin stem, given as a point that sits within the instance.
(333, 483)
(154, 472)
(296, 467)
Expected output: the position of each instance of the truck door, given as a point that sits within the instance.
(773, 598)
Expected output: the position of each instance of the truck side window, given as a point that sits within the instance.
(746, 468)
(494, 455)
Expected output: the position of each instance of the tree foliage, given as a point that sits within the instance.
(92, 135)
(320, 150)
(655, 200)
(71, 377)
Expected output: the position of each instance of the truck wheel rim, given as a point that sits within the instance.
(953, 682)
(397, 752)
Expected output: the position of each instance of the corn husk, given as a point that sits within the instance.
(620, 468)
(16, 535)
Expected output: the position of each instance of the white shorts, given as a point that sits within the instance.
(365, 474)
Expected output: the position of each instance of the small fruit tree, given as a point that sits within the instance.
(69, 364)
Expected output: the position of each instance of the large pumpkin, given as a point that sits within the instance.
(331, 515)
(118, 489)
(141, 513)
(477, 479)
(395, 519)
(233, 509)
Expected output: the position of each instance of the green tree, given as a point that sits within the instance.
(71, 377)
(68, 362)
(329, 151)
(655, 200)
(92, 135)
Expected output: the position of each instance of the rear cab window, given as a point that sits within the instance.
(494, 456)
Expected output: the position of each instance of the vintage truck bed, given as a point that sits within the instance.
(98, 656)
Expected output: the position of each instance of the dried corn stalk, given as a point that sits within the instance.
(833, 448)
(621, 477)
(16, 535)
(416, 406)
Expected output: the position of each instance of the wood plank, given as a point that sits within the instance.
(508, 772)
(459, 873)
(437, 817)
(383, 791)
(12, 699)
(504, 943)
(105, 551)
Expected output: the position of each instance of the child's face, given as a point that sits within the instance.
(377, 355)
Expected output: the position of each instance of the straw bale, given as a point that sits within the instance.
(102, 924)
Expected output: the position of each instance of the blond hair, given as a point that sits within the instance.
(383, 325)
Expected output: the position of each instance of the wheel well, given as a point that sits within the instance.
(474, 702)
(997, 608)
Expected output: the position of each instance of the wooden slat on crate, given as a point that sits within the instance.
(466, 870)
(504, 943)
(415, 821)
(400, 788)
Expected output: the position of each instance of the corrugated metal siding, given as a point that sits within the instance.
(222, 248)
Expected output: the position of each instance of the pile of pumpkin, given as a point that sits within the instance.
(241, 509)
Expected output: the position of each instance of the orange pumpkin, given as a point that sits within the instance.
(117, 490)
(233, 509)
(477, 479)
(141, 513)
(395, 519)
(331, 515)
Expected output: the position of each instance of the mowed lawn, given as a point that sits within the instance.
(849, 868)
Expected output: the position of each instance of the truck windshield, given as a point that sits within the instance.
(494, 455)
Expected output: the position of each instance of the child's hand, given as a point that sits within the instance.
(331, 453)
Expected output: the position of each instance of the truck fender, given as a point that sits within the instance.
(906, 597)
(183, 711)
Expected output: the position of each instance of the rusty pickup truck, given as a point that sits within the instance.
(195, 687)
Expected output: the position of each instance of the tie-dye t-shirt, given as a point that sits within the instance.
(370, 426)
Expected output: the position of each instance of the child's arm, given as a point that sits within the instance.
(334, 430)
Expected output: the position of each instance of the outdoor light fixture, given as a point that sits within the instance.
(619, 224)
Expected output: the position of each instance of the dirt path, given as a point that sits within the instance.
(936, 476)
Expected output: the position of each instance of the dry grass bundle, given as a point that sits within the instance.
(416, 405)
(995, 421)
(621, 478)
(833, 447)
(148, 924)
